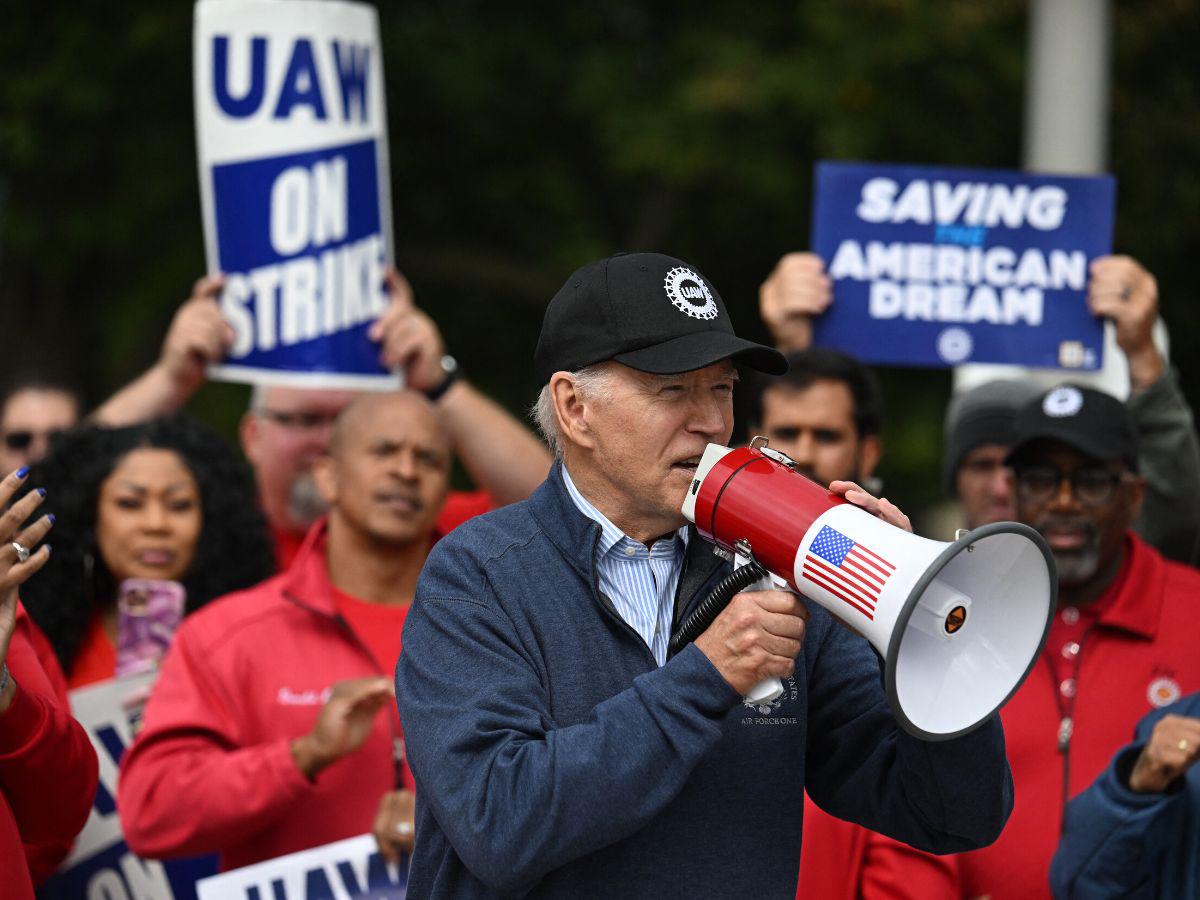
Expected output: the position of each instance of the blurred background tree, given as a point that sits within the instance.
(526, 139)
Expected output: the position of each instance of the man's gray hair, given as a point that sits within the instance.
(591, 383)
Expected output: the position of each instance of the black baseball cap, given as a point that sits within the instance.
(1093, 422)
(651, 312)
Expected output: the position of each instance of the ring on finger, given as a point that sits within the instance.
(1183, 744)
(404, 828)
(23, 552)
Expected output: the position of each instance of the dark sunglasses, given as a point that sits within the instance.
(18, 441)
(1091, 485)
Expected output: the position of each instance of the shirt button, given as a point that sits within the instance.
(1070, 650)
(630, 551)
(1070, 615)
(1067, 688)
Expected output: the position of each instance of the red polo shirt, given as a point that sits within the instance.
(1101, 671)
(459, 506)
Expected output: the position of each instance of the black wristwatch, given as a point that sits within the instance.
(452, 374)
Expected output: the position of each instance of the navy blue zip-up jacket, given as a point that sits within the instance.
(1118, 843)
(554, 758)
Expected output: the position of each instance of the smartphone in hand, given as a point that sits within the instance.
(148, 613)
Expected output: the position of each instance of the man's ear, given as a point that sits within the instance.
(248, 435)
(324, 474)
(870, 451)
(571, 411)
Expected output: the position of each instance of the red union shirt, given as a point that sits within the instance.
(1137, 653)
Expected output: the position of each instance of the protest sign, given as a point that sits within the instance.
(101, 866)
(942, 266)
(291, 135)
(345, 870)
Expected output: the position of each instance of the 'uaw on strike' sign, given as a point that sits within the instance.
(941, 266)
(292, 140)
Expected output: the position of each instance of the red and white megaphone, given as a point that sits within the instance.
(959, 625)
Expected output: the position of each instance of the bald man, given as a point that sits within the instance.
(272, 727)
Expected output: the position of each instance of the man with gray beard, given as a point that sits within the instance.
(1122, 642)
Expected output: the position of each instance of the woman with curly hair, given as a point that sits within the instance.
(166, 500)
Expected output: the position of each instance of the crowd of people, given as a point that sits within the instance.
(534, 734)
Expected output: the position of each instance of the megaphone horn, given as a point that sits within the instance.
(959, 625)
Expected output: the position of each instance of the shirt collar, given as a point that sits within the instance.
(610, 534)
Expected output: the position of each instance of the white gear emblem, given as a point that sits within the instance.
(1062, 402)
(690, 294)
(1163, 692)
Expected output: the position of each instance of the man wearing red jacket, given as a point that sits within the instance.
(1122, 643)
(265, 733)
(48, 769)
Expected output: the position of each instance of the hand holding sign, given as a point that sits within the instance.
(198, 336)
(18, 558)
(796, 291)
(408, 339)
(1121, 290)
(343, 725)
(394, 826)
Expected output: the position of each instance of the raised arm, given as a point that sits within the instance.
(796, 291)
(502, 456)
(48, 769)
(1120, 832)
(1120, 289)
(941, 797)
(198, 336)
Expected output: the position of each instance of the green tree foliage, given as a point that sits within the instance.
(528, 138)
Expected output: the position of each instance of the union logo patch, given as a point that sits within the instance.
(690, 295)
(1163, 692)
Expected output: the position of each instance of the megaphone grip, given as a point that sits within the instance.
(704, 614)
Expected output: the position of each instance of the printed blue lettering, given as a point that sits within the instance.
(352, 76)
(301, 85)
(316, 886)
(248, 103)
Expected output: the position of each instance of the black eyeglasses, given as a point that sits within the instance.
(301, 421)
(1091, 485)
(21, 440)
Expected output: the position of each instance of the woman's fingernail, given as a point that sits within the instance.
(42, 491)
(23, 471)
(47, 546)
(50, 516)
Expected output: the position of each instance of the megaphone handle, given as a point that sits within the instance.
(768, 689)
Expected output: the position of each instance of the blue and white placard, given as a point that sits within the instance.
(345, 870)
(101, 866)
(291, 135)
(938, 266)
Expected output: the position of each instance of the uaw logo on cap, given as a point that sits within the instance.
(690, 294)
(1062, 402)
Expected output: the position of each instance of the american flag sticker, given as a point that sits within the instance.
(847, 569)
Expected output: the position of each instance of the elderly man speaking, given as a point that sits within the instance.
(558, 751)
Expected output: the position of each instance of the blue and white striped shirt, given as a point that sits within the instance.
(640, 582)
